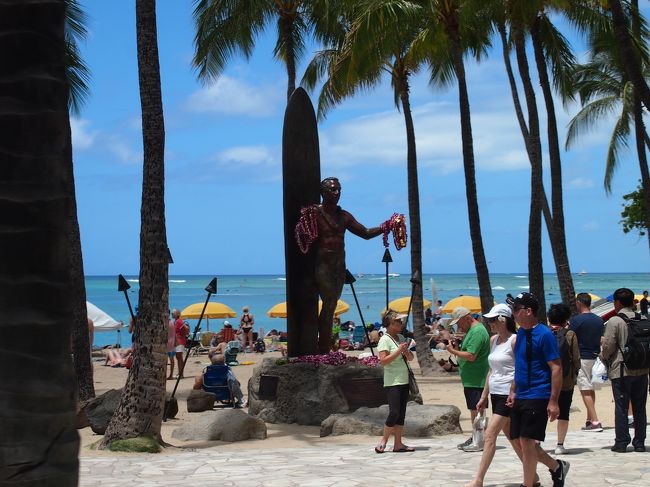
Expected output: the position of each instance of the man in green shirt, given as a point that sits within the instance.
(472, 359)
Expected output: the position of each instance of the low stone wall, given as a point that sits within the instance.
(308, 393)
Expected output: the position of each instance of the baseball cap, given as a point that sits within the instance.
(226, 323)
(458, 313)
(527, 300)
(500, 309)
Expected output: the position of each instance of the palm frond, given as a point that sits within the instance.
(76, 70)
(617, 141)
(588, 117)
(225, 29)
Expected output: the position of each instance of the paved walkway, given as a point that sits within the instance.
(436, 462)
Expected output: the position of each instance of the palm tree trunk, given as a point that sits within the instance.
(141, 406)
(39, 444)
(286, 27)
(557, 231)
(424, 356)
(628, 53)
(535, 265)
(480, 264)
(81, 342)
(546, 211)
(640, 132)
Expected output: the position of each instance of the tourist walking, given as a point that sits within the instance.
(629, 386)
(171, 344)
(472, 359)
(567, 343)
(589, 328)
(497, 385)
(535, 391)
(393, 355)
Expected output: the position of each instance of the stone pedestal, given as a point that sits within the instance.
(307, 393)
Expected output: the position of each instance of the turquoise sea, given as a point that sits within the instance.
(262, 292)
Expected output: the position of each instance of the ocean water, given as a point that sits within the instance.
(260, 293)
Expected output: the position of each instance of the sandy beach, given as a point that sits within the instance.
(435, 390)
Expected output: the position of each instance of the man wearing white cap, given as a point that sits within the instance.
(472, 358)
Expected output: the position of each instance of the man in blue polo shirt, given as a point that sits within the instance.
(535, 390)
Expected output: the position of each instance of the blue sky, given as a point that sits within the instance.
(223, 164)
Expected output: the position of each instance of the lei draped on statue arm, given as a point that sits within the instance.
(396, 225)
(306, 231)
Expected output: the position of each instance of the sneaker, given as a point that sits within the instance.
(639, 449)
(559, 475)
(619, 448)
(560, 450)
(471, 448)
(592, 426)
(464, 444)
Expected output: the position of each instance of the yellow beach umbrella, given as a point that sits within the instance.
(213, 310)
(401, 305)
(472, 303)
(280, 309)
(638, 297)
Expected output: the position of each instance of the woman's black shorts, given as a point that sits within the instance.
(499, 405)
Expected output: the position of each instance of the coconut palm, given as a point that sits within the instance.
(604, 89)
(228, 28)
(454, 28)
(378, 43)
(39, 442)
(625, 42)
(78, 77)
(141, 406)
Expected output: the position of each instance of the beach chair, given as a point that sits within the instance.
(203, 345)
(230, 354)
(359, 335)
(215, 381)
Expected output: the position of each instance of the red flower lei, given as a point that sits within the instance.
(306, 231)
(397, 225)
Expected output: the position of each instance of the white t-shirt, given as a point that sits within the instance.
(502, 364)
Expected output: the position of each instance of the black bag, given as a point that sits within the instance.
(413, 385)
(636, 353)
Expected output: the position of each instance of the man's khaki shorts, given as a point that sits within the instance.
(584, 375)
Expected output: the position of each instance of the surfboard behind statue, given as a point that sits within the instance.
(301, 187)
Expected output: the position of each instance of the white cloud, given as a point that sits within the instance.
(235, 97)
(124, 153)
(591, 226)
(581, 183)
(381, 139)
(82, 137)
(248, 156)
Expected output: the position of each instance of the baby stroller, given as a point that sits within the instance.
(230, 354)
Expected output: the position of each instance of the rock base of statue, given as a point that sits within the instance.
(307, 393)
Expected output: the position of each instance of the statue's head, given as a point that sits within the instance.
(330, 190)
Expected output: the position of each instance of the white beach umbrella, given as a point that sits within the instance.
(102, 321)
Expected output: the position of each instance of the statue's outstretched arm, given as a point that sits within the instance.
(358, 229)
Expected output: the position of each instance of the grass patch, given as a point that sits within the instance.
(141, 444)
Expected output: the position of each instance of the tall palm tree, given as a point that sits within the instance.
(630, 55)
(39, 442)
(378, 43)
(605, 88)
(227, 28)
(78, 77)
(141, 406)
(533, 150)
(453, 28)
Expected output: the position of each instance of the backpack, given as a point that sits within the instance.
(636, 353)
(565, 351)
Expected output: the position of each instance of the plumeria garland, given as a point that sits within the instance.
(335, 358)
(397, 225)
(306, 231)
